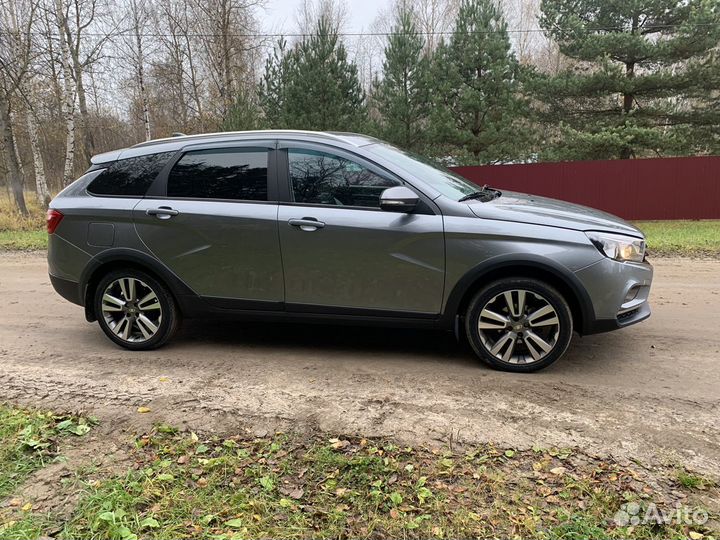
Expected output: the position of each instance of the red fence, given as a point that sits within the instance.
(661, 188)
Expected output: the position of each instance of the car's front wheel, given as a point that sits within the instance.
(135, 310)
(519, 324)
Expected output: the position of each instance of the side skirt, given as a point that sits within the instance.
(225, 308)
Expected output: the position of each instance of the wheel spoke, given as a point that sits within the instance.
(145, 327)
(500, 343)
(120, 326)
(123, 288)
(540, 313)
(537, 340)
(112, 300)
(515, 309)
(131, 288)
(537, 355)
(500, 320)
(152, 302)
(147, 323)
(509, 351)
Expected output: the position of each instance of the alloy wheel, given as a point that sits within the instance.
(131, 309)
(519, 326)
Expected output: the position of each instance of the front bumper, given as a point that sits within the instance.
(618, 293)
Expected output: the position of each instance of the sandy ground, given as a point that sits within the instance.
(651, 391)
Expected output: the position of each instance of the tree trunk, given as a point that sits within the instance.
(41, 187)
(141, 79)
(15, 182)
(88, 139)
(68, 98)
(18, 157)
(626, 152)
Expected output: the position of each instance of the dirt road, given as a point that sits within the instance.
(651, 391)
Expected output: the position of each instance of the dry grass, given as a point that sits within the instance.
(12, 220)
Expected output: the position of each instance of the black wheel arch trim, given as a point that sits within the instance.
(132, 257)
(526, 261)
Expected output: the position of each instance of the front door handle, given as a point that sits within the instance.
(307, 224)
(163, 212)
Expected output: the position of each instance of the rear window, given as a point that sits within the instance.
(129, 177)
(236, 174)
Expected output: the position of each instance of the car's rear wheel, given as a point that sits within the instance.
(519, 324)
(135, 310)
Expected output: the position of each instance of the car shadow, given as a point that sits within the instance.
(588, 354)
(421, 343)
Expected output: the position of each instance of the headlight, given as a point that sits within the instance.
(618, 246)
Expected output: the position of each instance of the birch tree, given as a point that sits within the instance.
(16, 23)
(68, 95)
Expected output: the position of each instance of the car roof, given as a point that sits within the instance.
(172, 144)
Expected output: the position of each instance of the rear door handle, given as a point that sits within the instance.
(307, 224)
(163, 212)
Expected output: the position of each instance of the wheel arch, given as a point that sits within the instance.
(110, 260)
(540, 268)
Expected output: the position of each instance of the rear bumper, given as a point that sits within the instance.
(69, 290)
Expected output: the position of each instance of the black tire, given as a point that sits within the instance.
(492, 296)
(168, 318)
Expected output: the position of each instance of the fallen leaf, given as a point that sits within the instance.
(143, 410)
(338, 444)
(695, 535)
(394, 513)
(558, 471)
(182, 460)
(27, 507)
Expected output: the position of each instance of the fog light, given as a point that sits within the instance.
(632, 293)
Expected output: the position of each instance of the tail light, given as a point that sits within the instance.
(53, 220)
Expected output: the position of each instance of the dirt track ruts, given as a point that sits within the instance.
(651, 391)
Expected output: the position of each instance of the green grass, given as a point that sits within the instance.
(685, 238)
(693, 481)
(298, 485)
(294, 487)
(23, 240)
(22, 233)
(28, 440)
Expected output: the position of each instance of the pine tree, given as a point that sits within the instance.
(642, 74)
(476, 83)
(272, 86)
(402, 97)
(244, 114)
(314, 85)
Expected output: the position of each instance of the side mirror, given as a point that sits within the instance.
(398, 199)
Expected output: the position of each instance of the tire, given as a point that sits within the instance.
(127, 295)
(520, 341)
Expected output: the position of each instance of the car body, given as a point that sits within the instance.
(292, 225)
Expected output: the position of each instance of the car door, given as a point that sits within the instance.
(215, 224)
(341, 253)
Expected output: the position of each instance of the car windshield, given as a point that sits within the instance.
(446, 182)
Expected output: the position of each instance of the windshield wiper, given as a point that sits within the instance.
(484, 192)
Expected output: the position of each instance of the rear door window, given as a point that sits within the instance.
(129, 177)
(235, 174)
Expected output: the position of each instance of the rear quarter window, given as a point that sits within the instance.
(129, 177)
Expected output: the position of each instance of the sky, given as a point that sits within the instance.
(281, 15)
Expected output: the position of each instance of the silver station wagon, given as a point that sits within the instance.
(336, 227)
